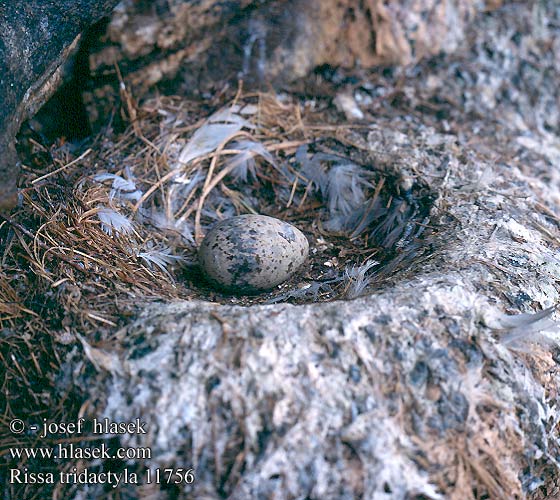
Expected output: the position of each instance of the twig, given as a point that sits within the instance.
(73, 162)
(208, 185)
(292, 192)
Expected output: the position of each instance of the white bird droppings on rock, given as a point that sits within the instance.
(252, 253)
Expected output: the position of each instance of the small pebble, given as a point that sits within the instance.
(252, 253)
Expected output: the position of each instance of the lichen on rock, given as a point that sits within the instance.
(412, 390)
(441, 380)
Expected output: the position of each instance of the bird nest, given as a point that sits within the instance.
(115, 223)
(112, 224)
(134, 208)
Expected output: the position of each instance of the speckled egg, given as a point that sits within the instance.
(252, 253)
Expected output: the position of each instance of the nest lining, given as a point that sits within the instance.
(51, 285)
(141, 206)
(108, 226)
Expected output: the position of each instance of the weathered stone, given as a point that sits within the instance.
(428, 387)
(204, 43)
(433, 385)
(36, 39)
(275, 41)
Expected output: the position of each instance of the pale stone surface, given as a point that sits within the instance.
(424, 387)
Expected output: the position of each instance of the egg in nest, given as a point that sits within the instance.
(252, 253)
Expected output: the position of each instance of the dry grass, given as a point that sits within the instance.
(101, 232)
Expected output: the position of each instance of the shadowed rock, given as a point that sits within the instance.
(36, 39)
(199, 43)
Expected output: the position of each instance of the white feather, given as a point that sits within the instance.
(161, 258)
(113, 222)
(358, 279)
(244, 162)
(121, 188)
(222, 125)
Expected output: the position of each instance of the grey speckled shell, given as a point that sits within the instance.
(251, 253)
